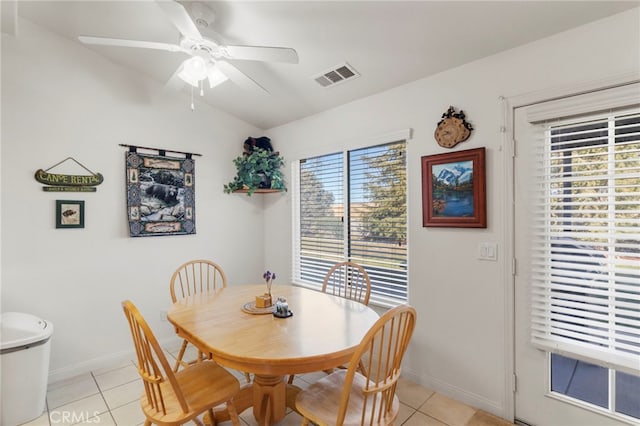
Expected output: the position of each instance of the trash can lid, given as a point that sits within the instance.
(18, 329)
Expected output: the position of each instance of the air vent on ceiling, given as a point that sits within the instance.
(335, 75)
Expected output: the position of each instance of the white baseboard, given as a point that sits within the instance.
(464, 396)
(103, 362)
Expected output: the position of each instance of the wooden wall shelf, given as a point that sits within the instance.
(258, 191)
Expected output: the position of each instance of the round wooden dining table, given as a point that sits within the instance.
(322, 333)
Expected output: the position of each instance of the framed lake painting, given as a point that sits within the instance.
(454, 189)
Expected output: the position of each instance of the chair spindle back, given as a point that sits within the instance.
(348, 280)
(380, 352)
(196, 276)
(152, 363)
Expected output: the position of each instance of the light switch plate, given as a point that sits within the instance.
(488, 251)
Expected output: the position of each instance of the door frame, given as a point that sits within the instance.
(509, 106)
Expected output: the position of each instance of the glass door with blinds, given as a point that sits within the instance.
(352, 206)
(577, 286)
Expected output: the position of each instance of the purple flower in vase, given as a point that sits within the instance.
(268, 278)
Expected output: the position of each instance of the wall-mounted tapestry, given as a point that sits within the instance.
(160, 195)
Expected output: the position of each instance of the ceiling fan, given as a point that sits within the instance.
(208, 58)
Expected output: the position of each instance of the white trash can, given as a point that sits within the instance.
(25, 345)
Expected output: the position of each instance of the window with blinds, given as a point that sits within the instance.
(352, 206)
(586, 241)
(320, 215)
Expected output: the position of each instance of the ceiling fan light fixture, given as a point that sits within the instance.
(197, 67)
(193, 70)
(187, 78)
(216, 76)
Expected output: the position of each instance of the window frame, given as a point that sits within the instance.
(376, 298)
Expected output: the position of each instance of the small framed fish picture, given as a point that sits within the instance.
(454, 189)
(69, 214)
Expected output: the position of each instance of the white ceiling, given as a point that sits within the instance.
(389, 43)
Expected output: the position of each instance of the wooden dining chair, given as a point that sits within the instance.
(176, 398)
(348, 280)
(349, 397)
(194, 277)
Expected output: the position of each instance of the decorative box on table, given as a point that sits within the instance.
(263, 301)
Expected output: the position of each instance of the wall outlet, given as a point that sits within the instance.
(163, 315)
(488, 251)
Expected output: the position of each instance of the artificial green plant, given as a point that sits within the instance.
(258, 170)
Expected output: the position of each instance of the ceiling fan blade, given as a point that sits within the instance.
(175, 83)
(171, 90)
(263, 53)
(180, 19)
(131, 43)
(240, 78)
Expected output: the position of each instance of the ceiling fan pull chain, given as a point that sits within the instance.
(201, 87)
(193, 107)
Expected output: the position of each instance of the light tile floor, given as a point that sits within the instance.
(110, 397)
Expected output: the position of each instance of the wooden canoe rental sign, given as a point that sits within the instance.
(68, 183)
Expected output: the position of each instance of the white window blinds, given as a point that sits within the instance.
(352, 206)
(378, 217)
(321, 212)
(586, 240)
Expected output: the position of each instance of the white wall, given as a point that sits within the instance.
(459, 344)
(61, 100)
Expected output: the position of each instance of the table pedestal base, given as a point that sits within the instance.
(268, 395)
